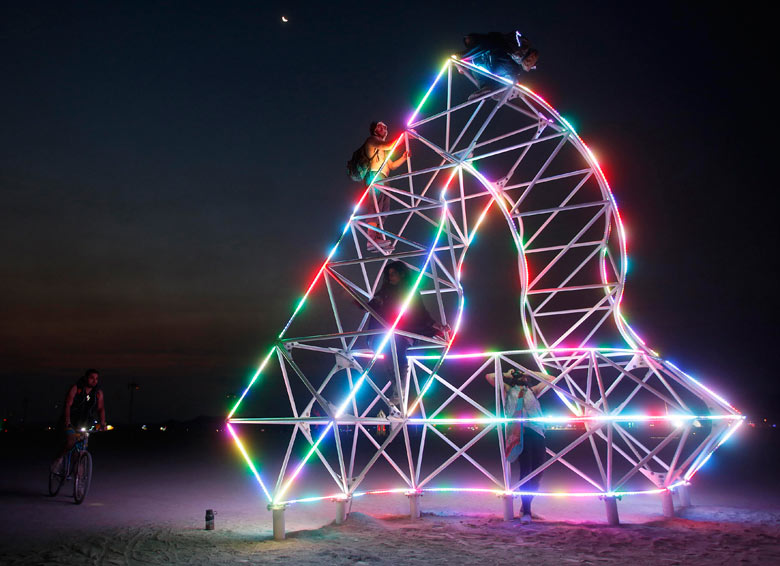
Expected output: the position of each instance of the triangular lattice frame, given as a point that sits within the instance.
(507, 149)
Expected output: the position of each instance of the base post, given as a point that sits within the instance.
(684, 493)
(278, 520)
(667, 504)
(613, 518)
(414, 505)
(509, 507)
(341, 510)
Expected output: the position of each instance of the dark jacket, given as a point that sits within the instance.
(388, 301)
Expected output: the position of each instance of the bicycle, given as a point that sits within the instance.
(76, 464)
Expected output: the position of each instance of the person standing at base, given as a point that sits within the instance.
(376, 148)
(525, 440)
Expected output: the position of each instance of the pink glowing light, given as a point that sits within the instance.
(629, 334)
(563, 419)
(497, 492)
(358, 384)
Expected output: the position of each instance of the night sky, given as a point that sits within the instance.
(172, 172)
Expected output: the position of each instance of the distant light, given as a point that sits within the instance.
(109, 427)
(284, 19)
(143, 427)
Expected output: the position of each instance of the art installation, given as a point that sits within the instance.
(352, 407)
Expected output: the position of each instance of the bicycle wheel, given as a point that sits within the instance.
(82, 476)
(56, 478)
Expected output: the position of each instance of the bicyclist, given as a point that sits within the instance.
(83, 407)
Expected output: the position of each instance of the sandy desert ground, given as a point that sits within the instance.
(148, 500)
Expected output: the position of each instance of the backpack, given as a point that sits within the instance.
(358, 164)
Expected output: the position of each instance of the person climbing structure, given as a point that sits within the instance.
(396, 284)
(503, 54)
(371, 164)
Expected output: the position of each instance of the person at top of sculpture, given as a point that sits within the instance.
(376, 148)
(525, 439)
(503, 54)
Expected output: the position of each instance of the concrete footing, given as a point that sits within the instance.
(613, 518)
(684, 493)
(341, 510)
(278, 522)
(667, 504)
(414, 505)
(509, 507)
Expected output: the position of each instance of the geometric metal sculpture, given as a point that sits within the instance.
(631, 422)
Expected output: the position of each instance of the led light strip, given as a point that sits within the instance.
(572, 420)
(497, 492)
(700, 384)
(519, 244)
(381, 346)
(248, 461)
(603, 351)
(695, 468)
(302, 301)
(461, 308)
(554, 419)
(628, 333)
